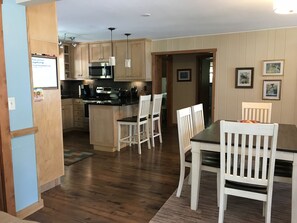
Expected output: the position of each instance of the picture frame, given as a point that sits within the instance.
(273, 67)
(184, 75)
(244, 77)
(272, 89)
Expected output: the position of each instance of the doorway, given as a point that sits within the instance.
(164, 71)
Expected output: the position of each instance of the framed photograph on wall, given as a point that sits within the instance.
(272, 89)
(244, 77)
(273, 67)
(184, 75)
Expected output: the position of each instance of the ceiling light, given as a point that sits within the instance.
(74, 44)
(112, 61)
(127, 60)
(285, 6)
(146, 14)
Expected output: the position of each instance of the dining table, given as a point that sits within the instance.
(209, 140)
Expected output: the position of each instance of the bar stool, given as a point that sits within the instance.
(138, 126)
(155, 116)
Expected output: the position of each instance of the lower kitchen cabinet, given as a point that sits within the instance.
(67, 114)
(79, 119)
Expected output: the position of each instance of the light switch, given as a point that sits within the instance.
(11, 103)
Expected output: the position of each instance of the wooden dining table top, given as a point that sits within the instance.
(286, 141)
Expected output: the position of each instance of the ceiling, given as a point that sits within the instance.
(89, 20)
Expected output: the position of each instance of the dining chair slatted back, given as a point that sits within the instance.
(138, 126)
(198, 118)
(155, 117)
(185, 133)
(247, 162)
(260, 112)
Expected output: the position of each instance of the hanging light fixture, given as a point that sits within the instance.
(127, 60)
(61, 42)
(285, 6)
(112, 61)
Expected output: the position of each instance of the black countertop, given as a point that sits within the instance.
(112, 102)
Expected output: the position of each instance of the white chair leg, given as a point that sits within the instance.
(152, 132)
(159, 129)
(218, 187)
(130, 134)
(148, 135)
(138, 140)
(119, 136)
(221, 206)
(181, 181)
(268, 210)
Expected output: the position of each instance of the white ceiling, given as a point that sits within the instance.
(88, 20)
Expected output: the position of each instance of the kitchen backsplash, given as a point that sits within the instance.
(71, 88)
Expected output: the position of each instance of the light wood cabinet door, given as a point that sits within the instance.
(66, 62)
(81, 61)
(99, 51)
(120, 55)
(67, 114)
(140, 54)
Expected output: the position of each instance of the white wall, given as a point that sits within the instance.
(247, 50)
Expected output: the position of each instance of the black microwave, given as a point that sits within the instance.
(101, 70)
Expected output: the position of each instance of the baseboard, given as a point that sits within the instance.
(50, 185)
(30, 209)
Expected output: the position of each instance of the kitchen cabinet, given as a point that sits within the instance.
(79, 120)
(81, 62)
(66, 62)
(140, 54)
(99, 51)
(67, 114)
(103, 125)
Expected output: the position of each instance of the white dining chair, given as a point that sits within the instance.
(155, 118)
(256, 111)
(262, 112)
(210, 160)
(185, 133)
(251, 148)
(138, 126)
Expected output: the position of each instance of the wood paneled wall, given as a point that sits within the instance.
(247, 49)
(43, 39)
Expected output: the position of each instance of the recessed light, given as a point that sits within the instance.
(146, 14)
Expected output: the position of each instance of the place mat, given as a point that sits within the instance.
(74, 156)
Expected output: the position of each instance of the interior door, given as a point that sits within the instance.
(204, 87)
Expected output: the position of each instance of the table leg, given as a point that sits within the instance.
(196, 172)
(294, 191)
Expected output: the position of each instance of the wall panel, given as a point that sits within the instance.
(247, 50)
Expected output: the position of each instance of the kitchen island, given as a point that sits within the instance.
(103, 116)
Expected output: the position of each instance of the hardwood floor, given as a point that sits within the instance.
(113, 187)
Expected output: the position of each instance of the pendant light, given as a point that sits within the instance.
(112, 61)
(127, 60)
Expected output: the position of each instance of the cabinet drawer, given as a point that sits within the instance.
(78, 113)
(79, 119)
(78, 107)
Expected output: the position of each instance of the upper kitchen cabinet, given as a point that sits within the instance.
(81, 61)
(99, 51)
(140, 53)
(66, 62)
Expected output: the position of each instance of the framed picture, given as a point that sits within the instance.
(244, 77)
(184, 75)
(273, 67)
(271, 89)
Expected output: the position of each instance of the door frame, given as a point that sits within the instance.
(7, 195)
(157, 77)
